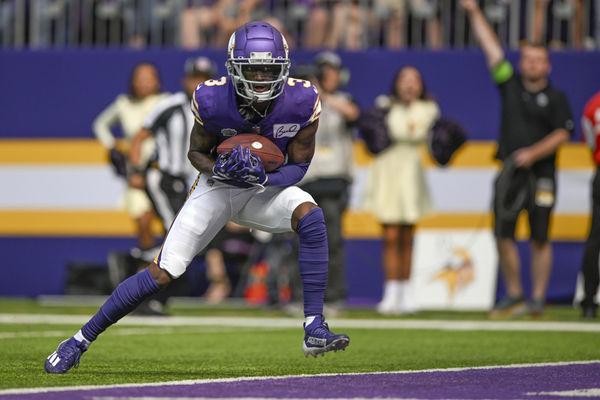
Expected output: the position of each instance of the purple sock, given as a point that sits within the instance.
(313, 260)
(126, 297)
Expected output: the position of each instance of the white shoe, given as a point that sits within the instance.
(404, 303)
(388, 305)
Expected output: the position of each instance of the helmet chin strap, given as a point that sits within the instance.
(254, 101)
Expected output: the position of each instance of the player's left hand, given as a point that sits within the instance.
(253, 171)
(240, 166)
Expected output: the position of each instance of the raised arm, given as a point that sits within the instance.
(484, 33)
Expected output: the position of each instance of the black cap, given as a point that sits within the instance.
(200, 65)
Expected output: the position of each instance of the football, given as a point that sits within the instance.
(260, 146)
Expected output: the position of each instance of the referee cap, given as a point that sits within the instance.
(200, 65)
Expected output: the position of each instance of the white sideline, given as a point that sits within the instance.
(255, 322)
(120, 332)
(261, 378)
(244, 398)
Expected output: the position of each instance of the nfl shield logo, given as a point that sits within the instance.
(228, 132)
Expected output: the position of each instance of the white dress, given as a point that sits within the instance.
(397, 192)
(129, 114)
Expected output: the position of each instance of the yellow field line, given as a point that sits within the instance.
(68, 223)
(54, 151)
(562, 227)
(474, 154)
(355, 224)
(480, 154)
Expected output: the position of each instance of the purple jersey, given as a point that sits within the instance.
(215, 108)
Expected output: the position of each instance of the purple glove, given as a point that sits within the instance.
(240, 166)
(229, 164)
(253, 171)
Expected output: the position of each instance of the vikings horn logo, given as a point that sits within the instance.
(458, 271)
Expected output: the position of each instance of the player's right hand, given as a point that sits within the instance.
(240, 166)
(229, 165)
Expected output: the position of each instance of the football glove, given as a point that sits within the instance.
(253, 171)
(229, 164)
(240, 166)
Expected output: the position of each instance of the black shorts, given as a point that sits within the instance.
(167, 194)
(539, 215)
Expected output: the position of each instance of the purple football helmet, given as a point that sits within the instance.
(257, 61)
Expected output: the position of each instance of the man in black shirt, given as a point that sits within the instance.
(536, 120)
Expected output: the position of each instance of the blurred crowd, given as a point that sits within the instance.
(310, 24)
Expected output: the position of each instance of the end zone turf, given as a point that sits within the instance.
(535, 381)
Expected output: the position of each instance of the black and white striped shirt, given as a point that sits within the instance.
(171, 122)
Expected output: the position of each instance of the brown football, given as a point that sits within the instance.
(260, 146)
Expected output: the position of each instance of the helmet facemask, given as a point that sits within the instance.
(260, 77)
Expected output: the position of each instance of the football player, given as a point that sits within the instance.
(257, 97)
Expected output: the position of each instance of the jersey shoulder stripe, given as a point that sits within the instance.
(203, 100)
(194, 107)
(316, 110)
(305, 98)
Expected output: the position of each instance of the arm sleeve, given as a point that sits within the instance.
(287, 175)
(102, 124)
(562, 117)
(502, 72)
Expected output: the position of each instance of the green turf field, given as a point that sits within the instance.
(128, 353)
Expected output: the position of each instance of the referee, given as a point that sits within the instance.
(536, 120)
(170, 123)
